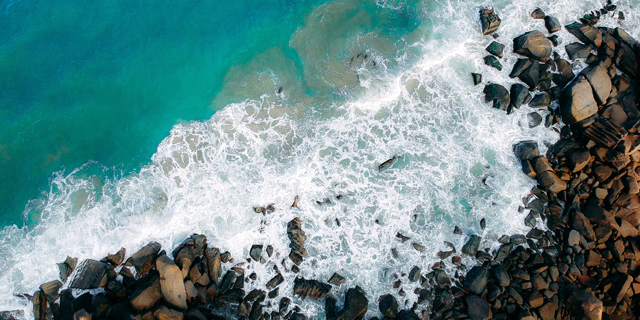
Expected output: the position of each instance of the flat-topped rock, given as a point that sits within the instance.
(534, 45)
(577, 102)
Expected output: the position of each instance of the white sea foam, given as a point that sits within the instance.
(454, 165)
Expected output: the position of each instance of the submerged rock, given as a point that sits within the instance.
(310, 288)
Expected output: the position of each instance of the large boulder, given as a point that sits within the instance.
(498, 94)
(577, 102)
(533, 44)
(519, 95)
(489, 21)
(552, 24)
(598, 77)
(388, 306)
(147, 293)
(171, 284)
(90, 274)
(476, 279)
(187, 251)
(143, 259)
(586, 33)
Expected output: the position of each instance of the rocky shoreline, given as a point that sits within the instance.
(579, 260)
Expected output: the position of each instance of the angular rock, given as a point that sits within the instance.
(552, 24)
(90, 274)
(622, 287)
(185, 254)
(579, 159)
(255, 252)
(489, 21)
(531, 75)
(471, 247)
(116, 289)
(310, 288)
(496, 49)
(538, 14)
(146, 294)
(586, 33)
(171, 284)
(39, 306)
(478, 308)
(336, 279)
(520, 65)
(501, 276)
(164, 313)
(476, 279)
(598, 77)
(143, 259)
(536, 299)
(275, 281)
(117, 258)
(604, 132)
(442, 279)
(492, 61)
(50, 290)
(551, 182)
(577, 50)
(297, 238)
(585, 305)
(548, 311)
(498, 94)
(577, 102)
(540, 100)
(213, 264)
(533, 44)
(355, 305)
(519, 94)
(477, 78)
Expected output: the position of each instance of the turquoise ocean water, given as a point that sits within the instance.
(123, 123)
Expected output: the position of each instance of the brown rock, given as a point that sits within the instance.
(540, 165)
(146, 294)
(171, 283)
(82, 314)
(310, 288)
(39, 305)
(585, 305)
(550, 181)
(185, 254)
(164, 313)
(586, 33)
(577, 102)
(533, 44)
(143, 259)
(213, 264)
(622, 287)
(579, 159)
(50, 290)
(548, 311)
(599, 79)
(602, 172)
(90, 274)
(631, 184)
(489, 21)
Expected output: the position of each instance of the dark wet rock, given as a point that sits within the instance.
(232, 296)
(489, 21)
(584, 305)
(503, 252)
(275, 281)
(471, 247)
(577, 50)
(457, 230)
(147, 293)
(355, 305)
(520, 66)
(255, 252)
(164, 313)
(227, 281)
(336, 279)
(414, 274)
(477, 78)
(540, 100)
(39, 305)
(116, 289)
(213, 264)
(586, 33)
(534, 45)
(622, 287)
(483, 223)
(90, 274)
(577, 102)
(554, 40)
(531, 75)
(310, 288)
(497, 94)
(402, 237)
(185, 253)
(492, 61)
(526, 150)
(495, 49)
(51, 289)
(538, 14)
(519, 94)
(143, 259)
(256, 311)
(116, 258)
(254, 295)
(442, 279)
(476, 279)
(478, 308)
(552, 24)
(274, 293)
(283, 306)
(388, 306)
(171, 283)
(501, 276)
(297, 238)
(418, 247)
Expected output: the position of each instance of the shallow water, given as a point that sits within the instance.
(338, 117)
